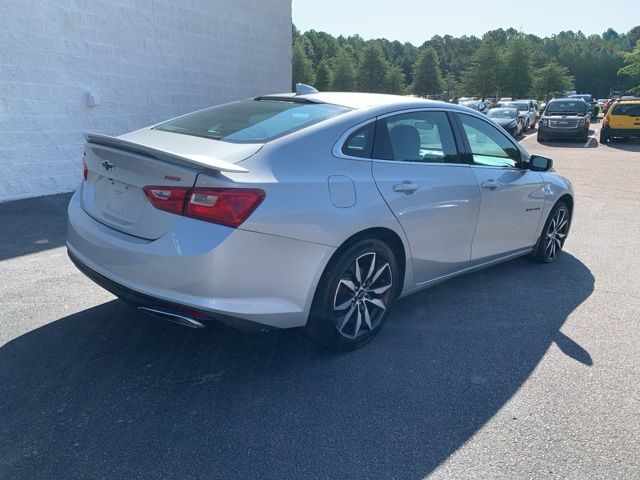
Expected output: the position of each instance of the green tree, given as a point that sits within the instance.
(452, 86)
(484, 76)
(632, 68)
(427, 77)
(517, 67)
(344, 73)
(550, 80)
(301, 68)
(394, 82)
(324, 76)
(373, 69)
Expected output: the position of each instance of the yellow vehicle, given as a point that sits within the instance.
(622, 120)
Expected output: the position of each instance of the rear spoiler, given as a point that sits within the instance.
(203, 161)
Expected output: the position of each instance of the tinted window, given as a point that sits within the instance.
(632, 109)
(567, 106)
(252, 121)
(521, 107)
(416, 137)
(360, 142)
(502, 113)
(489, 146)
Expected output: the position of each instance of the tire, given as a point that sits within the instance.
(533, 125)
(548, 247)
(603, 138)
(540, 138)
(526, 126)
(344, 315)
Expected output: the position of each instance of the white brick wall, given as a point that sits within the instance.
(146, 61)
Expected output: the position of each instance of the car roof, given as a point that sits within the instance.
(359, 100)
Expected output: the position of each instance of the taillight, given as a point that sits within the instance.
(607, 119)
(85, 170)
(225, 206)
(169, 199)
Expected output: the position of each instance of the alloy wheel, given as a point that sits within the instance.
(556, 234)
(362, 295)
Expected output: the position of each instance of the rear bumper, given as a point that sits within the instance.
(621, 132)
(572, 133)
(220, 271)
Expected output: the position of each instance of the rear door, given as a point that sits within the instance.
(511, 197)
(433, 194)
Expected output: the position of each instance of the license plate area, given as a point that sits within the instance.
(119, 201)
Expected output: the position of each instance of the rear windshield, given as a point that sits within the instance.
(502, 113)
(252, 121)
(586, 98)
(519, 106)
(567, 106)
(631, 109)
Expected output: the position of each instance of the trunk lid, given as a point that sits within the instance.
(118, 168)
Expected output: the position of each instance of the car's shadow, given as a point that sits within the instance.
(111, 393)
(570, 143)
(627, 145)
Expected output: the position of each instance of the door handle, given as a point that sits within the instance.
(406, 187)
(490, 184)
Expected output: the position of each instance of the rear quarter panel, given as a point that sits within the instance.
(294, 171)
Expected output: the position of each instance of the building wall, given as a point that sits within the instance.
(143, 60)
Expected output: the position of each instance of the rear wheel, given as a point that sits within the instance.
(354, 295)
(553, 234)
(604, 138)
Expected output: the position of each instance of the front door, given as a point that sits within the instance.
(512, 198)
(433, 194)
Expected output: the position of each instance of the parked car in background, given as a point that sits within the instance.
(588, 100)
(565, 118)
(608, 104)
(525, 110)
(508, 119)
(621, 121)
(314, 210)
(491, 102)
(477, 105)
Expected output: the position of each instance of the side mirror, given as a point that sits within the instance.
(540, 164)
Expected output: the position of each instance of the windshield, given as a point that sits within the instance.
(252, 121)
(471, 104)
(503, 113)
(567, 106)
(519, 106)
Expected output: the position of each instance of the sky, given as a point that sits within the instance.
(416, 21)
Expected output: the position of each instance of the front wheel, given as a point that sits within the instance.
(553, 234)
(354, 295)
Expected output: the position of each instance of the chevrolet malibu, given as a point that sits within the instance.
(314, 210)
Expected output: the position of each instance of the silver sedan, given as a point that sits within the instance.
(315, 210)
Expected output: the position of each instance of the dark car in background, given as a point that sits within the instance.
(588, 100)
(508, 119)
(525, 111)
(565, 118)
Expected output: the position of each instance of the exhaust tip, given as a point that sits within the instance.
(173, 317)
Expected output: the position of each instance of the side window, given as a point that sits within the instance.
(360, 142)
(416, 137)
(489, 146)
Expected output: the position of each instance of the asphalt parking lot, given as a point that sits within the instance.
(518, 371)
